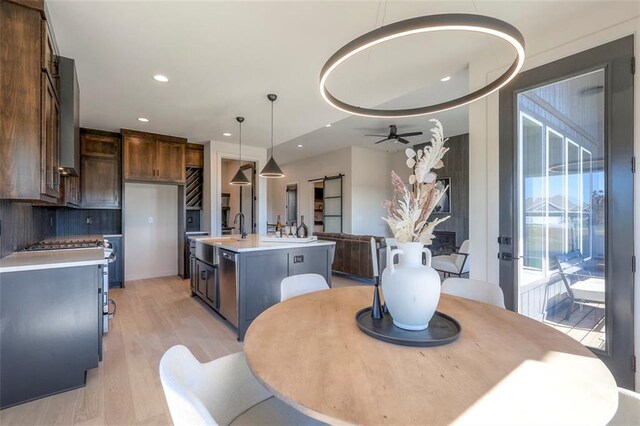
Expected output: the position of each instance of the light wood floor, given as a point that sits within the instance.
(152, 316)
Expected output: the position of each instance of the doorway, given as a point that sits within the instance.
(566, 200)
(237, 199)
(291, 206)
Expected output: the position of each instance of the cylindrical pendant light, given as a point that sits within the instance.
(240, 178)
(271, 169)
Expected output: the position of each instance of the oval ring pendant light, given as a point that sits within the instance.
(271, 169)
(240, 178)
(423, 24)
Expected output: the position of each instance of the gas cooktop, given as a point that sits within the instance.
(65, 245)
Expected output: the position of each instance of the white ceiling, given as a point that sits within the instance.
(351, 131)
(222, 58)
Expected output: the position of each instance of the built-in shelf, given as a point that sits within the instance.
(193, 188)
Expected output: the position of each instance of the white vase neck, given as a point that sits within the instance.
(411, 254)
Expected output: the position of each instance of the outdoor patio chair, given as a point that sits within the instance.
(580, 283)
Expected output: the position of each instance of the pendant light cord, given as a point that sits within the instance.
(272, 128)
(240, 143)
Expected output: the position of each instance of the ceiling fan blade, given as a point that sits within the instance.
(378, 136)
(410, 134)
(403, 140)
(383, 140)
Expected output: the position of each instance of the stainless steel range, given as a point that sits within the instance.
(79, 244)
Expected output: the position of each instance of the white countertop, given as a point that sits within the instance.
(253, 243)
(34, 260)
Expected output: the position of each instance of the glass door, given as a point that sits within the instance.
(332, 204)
(292, 204)
(567, 194)
(561, 235)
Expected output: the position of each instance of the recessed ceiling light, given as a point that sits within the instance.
(161, 78)
(226, 134)
(327, 125)
(447, 78)
(144, 120)
(299, 146)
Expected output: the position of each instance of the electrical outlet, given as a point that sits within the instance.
(150, 219)
(89, 220)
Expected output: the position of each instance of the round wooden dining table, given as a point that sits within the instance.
(504, 368)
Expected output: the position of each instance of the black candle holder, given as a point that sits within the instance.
(377, 311)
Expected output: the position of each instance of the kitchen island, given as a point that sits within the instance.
(240, 279)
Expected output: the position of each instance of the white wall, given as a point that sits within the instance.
(483, 127)
(300, 172)
(370, 184)
(214, 152)
(151, 249)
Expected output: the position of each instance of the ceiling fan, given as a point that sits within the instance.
(394, 136)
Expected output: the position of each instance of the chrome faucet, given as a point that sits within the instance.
(235, 220)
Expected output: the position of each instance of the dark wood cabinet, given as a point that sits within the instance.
(49, 59)
(70, 191)
(149, 157)
(100, 182)
(194, 156)
(50, 140)
(29, 110)
(170, 158)
(139, 158)
(100, 167)
(100, 144)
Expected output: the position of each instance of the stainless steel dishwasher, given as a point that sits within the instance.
(228, 281)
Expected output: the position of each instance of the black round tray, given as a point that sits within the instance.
(442, 330)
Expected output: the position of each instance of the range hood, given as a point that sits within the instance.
(69, 118)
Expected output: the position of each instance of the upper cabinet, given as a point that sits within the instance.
(195, 155)
(29, 105)
(152, 157)
(100, 166)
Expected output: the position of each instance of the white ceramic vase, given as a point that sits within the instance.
(411, 290)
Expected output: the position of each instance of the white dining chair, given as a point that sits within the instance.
(480, 291)
(220, 392)
(628, 412)
(297, 285)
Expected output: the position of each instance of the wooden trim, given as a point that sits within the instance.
(31, 4)
(100, 132)
(195, 146)
(165, 138)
